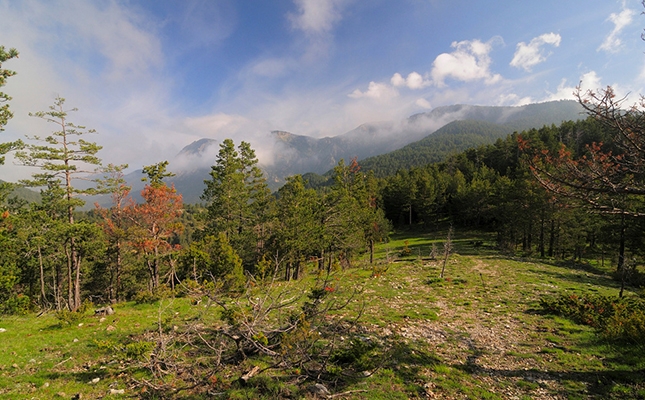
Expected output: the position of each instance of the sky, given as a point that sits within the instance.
(152, 76)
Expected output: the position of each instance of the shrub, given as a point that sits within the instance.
(148, 297)
(405, 251)
(620, 319)
(67, 317)
(139, 350)
(16, 304)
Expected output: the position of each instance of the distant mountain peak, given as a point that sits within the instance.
(197, 148)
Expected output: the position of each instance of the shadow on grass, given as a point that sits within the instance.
(598, 384)
(579, 279)
(420, 244)
(622, 378)
(580, 273)
(408, 361)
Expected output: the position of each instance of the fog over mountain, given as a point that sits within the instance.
(285, 153)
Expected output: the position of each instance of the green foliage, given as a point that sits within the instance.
(213, 258)
(16, 304)
(156, 173)
(139, 350)
(5, 112)
(67, 318)
(616, 318)
(238, 200)
(152, 296)
(361, 353)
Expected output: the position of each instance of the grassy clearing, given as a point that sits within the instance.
(478, 333)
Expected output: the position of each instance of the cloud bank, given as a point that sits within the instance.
(528, 55)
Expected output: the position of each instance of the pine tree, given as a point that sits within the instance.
(156, 221)
(238, 201)
(6, 115)
(115, 224)
(62, 158)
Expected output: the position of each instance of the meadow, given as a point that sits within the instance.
(480, 332)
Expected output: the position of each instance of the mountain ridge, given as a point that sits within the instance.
(301, 154)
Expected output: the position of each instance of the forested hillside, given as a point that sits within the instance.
(568, 194)
(451, 139)
(129, 249)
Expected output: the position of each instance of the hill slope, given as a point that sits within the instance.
(304, 154)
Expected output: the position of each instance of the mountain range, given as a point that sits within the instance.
(383, 146)
(420, 139)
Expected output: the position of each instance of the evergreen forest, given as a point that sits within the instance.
(276, 269)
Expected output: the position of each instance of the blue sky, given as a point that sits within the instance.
(151, 76)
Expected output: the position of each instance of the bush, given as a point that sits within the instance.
(16, 304)
(189, 288)
(139, 350)
(67, 317)
(620, 319)
(148, 297)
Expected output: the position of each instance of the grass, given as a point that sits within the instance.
(477, 333)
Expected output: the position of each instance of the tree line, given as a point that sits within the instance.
(55, 256)
(568, 191)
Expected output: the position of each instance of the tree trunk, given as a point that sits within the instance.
(621, 249)
(541, 244)
(551, 238)
(57, 279)
(43, 296)
(117, 289)
(70, 287)
(77, 283)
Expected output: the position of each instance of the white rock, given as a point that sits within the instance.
(95, 381)
(319, 389)
(3, 330)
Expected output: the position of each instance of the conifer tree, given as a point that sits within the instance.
(156, 221)
(296, 225)
(5, 113)
(237, 200)
(62, 158)
(115, 224)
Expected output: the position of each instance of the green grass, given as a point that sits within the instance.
(477, 333)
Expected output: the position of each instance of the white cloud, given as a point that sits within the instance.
(612, 42)
(469, 62)
(106, 61)
(316, 16)
(528, 55)
(397, 80)
(376, 90)
(512, 99)
(588, 81)
(423, 103)
(413, 81)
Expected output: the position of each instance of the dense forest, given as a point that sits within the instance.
(268, 265)
(567, 191)
(55, 256)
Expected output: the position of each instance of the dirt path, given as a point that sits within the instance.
(485, 328)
